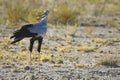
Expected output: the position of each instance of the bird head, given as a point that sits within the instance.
(45, 13)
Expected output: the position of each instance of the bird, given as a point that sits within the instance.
(35, 31)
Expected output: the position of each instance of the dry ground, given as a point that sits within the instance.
(65, 55)
(82, 42)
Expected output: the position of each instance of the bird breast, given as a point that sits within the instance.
(40, 35)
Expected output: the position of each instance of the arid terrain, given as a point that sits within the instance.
(82, 40)
(83, 56)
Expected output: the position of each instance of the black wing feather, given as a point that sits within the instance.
(22, 33)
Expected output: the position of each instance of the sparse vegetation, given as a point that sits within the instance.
(17, 12)
(100, 40)
(65, 49)
(100, 51)
(113, 24)
(63, 15)
(89, 30)
(80, 33)
(34, 15)
(71, 30)
(85, 48)
(109, 60)
(81, 65)
(116, 39)
(59, 60)
(45, 57)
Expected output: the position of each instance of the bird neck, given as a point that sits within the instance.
(44, 20)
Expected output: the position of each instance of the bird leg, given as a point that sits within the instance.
(31, 44)
(39, 49)
(30, 49)
(30, 61)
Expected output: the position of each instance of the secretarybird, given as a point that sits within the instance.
(35, 31)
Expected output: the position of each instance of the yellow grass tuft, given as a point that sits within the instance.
(116, 39)
(59, 60)
(73, 58)
(85, 48)
(64, 49)
(3, 56)
(81, 65)
(100, 40)
(45, 57)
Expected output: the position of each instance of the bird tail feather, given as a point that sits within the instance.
(16, 40)
(17, 36)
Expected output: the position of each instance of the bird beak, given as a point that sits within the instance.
(43, 15)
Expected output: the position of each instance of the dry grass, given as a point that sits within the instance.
(16, 12)
(113, 23)
(61, 12)
(25, 56)
(59, 59)
(116, 39)
(46, 57)
(63, 15)
(71, 30)
(100, 40)
(65, 49)
(109, 60)
(81, 65)
(73, 58)
(100, 51)
(85, 48)
(34, 15)
(89, 30)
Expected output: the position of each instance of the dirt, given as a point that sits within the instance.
(57, 38)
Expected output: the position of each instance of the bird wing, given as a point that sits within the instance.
(24, 29)
(27, 26)
(39, 28)
(22, 33)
